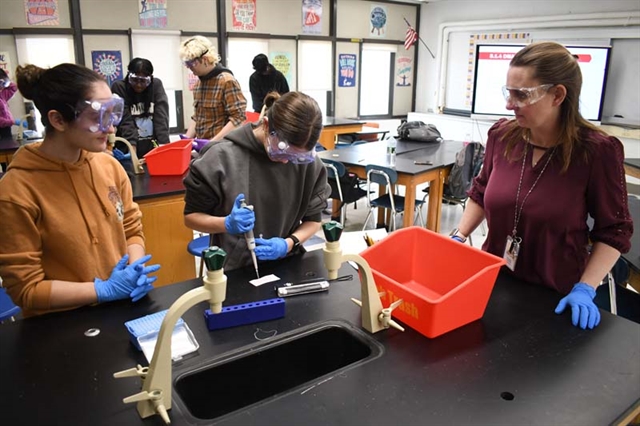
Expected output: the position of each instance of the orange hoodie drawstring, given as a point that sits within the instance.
(94, 239)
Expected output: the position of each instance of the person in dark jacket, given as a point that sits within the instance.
(265, 79)
(145, 123)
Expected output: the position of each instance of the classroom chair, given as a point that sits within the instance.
(344, 186)
(7, 308)
(197, 246)
(387, 177)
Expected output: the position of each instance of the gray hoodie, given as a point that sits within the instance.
(283, 195)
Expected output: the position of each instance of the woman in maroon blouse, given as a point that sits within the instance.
(544, 172)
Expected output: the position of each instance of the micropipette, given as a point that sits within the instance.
(251, 242)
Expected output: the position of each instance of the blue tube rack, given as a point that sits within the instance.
(246, 313)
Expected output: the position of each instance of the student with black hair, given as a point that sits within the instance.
(265, 79)
(146, 115)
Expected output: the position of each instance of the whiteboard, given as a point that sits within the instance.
(623, 85)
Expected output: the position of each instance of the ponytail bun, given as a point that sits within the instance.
(28, 79)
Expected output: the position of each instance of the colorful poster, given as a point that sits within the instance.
(108, 63)
(244, 15)
(378, 21)
(152, 13)
(346, 70)
(311, 16)
(404, 71)
(41, 12)
(282, 62)
(5, 63)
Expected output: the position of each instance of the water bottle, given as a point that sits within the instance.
(391, 151)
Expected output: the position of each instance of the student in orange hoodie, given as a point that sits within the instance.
(71, 234)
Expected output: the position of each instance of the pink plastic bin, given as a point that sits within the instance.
(444, 284)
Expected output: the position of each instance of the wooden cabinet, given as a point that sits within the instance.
(167, 238)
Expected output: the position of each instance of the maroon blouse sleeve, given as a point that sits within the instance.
(476, 193)
(607, 200)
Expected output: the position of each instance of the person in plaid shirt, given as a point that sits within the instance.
(219, 105)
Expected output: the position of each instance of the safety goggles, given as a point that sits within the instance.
(102, 114)
(139, 80)
(279, 150)
(191, 62)
(524, 96)
(5, 82)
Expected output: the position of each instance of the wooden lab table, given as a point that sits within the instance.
(632, 167)
(332, 127)
(440, 155)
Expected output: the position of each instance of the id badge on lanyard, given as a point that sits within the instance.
(511, 251)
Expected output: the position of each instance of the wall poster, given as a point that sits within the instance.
(108, 63)
(244, 15)
(346, 70)
(41, 12)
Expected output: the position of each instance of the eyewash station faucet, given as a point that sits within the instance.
(137, 163)
(374, 317)
(155, 397)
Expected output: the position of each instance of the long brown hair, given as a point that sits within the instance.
(296, 117)
(552, 63)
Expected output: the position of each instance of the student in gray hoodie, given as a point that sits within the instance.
(272, 165)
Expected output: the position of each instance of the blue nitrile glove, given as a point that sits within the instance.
(458, 239)
(241, 219)
(198, 144)
(22, 123)
(144, 286)
(582, 307)
(119, 155)
(123, 279)
(271, 248)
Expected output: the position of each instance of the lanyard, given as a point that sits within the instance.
(518, 212)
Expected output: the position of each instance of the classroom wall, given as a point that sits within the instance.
(469, 11)
(275, 18)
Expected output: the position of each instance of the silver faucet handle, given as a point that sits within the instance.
(138, 371)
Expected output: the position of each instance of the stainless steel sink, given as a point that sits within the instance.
(262, 372)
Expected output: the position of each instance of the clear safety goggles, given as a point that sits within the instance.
(279, 150)
(523, 96)
(191, 62)
(103, 114)
(5, 82)
(139, 80)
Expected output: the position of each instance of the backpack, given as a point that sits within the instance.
(419, 132)
(466, 167)
(350, 185)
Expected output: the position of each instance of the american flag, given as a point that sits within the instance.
(410, 38)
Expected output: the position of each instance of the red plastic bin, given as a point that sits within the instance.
(170, 159)
(444, 284)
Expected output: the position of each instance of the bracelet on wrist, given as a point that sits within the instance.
(458, 236)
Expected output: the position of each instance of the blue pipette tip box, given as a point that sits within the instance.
(246, 313)
(142, 326)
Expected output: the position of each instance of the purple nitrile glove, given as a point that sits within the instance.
(198, 144)
(584, 313)
(241, 219)
(271, 248)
